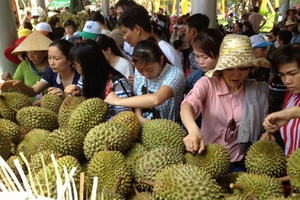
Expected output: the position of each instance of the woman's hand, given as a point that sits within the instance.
(10, 84)
(112, 99)
(73, 90)
(194, 142)
(56, 91)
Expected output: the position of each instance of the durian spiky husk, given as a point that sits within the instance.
(88, 114)
(5, 146)
(32, 142)
(262, 186)
(118, 135)
(129, 119)
(153, 162)
(52, 102)
(107, 166)
(66, 142)
(181, 181)
(215, 160)
(225, 181)
(143, 196)
(33, 117)
(266, 157)
(66, 108)
(163, 133)
(11, 129)
(293, 169)
(134, 154)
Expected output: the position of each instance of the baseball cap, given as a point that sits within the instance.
(91, 30)
(258, 41)
(43, 28)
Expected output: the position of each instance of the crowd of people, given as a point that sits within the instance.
(227, 88)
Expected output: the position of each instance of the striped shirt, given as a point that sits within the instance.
(290, 131)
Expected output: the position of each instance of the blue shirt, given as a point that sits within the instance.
(53, 79)
(171, 76)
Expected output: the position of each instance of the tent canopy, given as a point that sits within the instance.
(60, 3)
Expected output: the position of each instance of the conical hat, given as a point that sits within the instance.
(34, 42)
(236, 52)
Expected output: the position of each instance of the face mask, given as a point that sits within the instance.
(276, 44)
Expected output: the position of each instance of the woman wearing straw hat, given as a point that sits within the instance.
(60, 74)
(31, 70)
(233, 107)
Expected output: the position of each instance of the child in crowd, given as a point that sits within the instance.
(158, 85)
(35, 65)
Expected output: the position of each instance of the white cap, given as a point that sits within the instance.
(43, 28)
(91, 30)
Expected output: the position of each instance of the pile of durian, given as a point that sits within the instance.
(69, 143)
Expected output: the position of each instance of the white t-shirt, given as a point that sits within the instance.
(170, 53)
(124, 67)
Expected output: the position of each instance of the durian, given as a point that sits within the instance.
(266, 157)
(163, 133)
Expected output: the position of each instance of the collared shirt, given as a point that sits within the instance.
(218, 106)
(54, 79)
(290, 131)
(170, 76)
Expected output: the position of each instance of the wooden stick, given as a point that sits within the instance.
(151, 183)
(284, 179)
(237, 186)
(117, 184)
(81, 186)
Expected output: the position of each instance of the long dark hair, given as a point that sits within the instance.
(95, 68)
(104, 42)
(98, 17)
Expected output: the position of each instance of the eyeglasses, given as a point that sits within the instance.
(230, 130)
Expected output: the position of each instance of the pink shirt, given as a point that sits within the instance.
(218, 106)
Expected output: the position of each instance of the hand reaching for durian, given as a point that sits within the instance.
(10, 84)
(56, 91)
(194, 143)
(112, 98)
(73, 90)
(277, 119)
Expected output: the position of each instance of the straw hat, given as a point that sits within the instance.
(289, 22)
(236, 52)
(36, 41)
(8, 50)
(117, 36)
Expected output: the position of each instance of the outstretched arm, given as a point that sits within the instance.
(143, 101)
(277, 119)
(28, 90)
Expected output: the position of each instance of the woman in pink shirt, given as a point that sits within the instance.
(233, 107)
